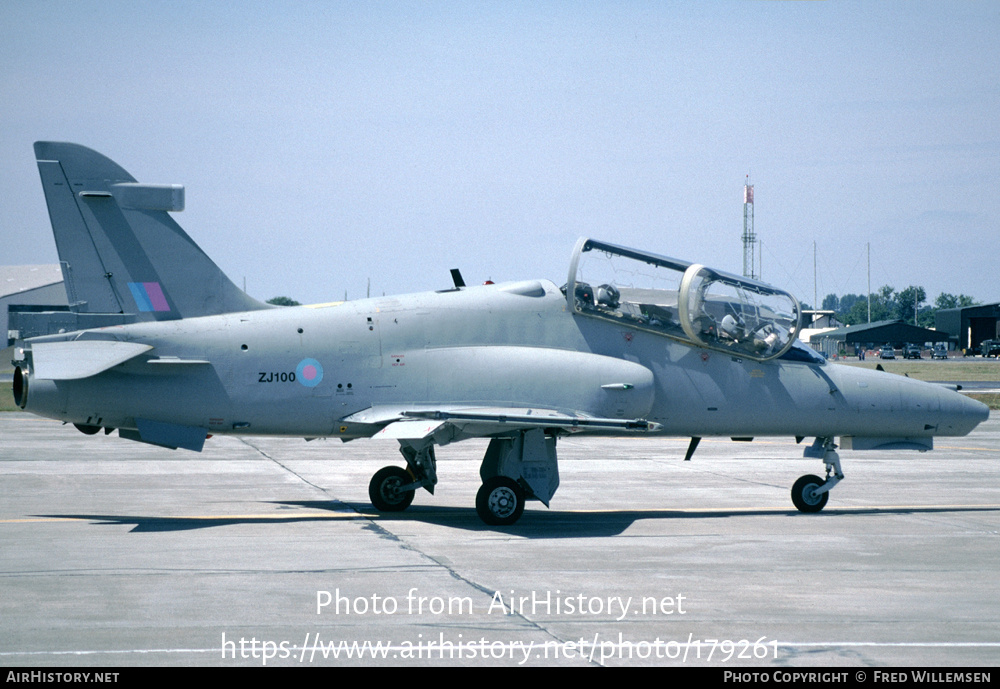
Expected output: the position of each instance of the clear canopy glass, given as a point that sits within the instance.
(681, 300)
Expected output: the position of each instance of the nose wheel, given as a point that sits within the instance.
(811, 493)
(804, 495)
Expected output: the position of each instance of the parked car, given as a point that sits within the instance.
(940, 351)
(887, 352)
(990, 348)
(911, 351)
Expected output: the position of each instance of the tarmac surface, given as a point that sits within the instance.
(267, 551)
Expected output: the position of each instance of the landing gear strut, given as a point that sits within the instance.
(811, 493)
(515, 468)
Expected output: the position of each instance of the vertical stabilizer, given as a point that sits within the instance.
(120, 250)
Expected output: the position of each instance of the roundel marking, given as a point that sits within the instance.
(309, 372)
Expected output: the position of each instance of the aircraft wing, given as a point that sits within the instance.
(455, 423)
(81, 358)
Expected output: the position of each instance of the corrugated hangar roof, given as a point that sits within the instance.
(14, 279)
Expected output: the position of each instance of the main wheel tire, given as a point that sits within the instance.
(804, 497)
(384, 492)
(500, 501)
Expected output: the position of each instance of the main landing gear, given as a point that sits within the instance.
(811, 493)
(500, 501)
(515, 469)
(389, 489)
(392, 488)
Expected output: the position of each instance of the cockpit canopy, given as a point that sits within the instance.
(681, 300)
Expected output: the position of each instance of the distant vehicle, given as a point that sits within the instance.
(887, 352)
(990, 348)
(940, 351)
(911, 351)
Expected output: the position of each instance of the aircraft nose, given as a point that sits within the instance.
(960, 414)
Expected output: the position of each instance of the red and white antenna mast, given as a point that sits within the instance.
(749, 237)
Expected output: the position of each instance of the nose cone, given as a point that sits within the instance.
(959, 414)
(891, 405)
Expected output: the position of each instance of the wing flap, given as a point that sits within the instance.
(466, 422)
(81, 358)
(533, 418)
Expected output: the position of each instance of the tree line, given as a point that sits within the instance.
(888, 304)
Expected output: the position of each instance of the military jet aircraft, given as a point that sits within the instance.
(633, 343)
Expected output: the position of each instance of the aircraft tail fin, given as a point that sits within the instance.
(120, 250)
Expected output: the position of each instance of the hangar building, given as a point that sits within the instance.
(28, 288)
(872, 335)
(968, 326)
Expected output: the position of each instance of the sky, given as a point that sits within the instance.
(332, 148)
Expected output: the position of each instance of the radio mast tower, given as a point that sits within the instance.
(749, 237)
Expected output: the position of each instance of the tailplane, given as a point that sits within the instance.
(120, 251)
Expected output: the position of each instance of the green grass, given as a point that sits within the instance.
(925, 369)
(987, 371)
(990, 399)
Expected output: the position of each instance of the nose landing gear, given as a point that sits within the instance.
(811, 493)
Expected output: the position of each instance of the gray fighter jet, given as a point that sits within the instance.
(632, 344)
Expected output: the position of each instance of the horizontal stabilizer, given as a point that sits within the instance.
(81, 358)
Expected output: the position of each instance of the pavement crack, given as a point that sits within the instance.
(286, 468)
